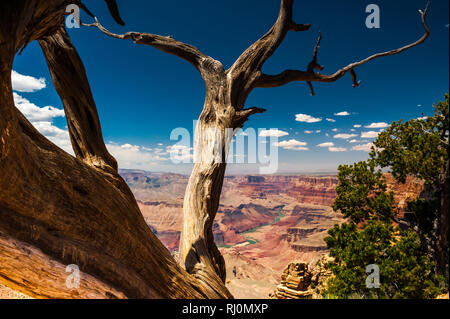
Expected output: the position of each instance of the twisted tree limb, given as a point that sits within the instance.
(267, 81)
(71, 83)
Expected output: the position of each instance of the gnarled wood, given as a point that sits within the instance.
(71, 211)
(71, 83)
(226, 95)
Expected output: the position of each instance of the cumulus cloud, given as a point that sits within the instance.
(134, 156)
(344, 113)
(309, 132)
(293, 145)
(335, 130)
(363, 147)
(345, 136)
(354, 141)
(337, 149)
(377, 125)
(180, 153)
(25, 83)
(58, 136)
(370, 134)
(42, 120)
(35, 113)
(328, 144)
(307, 118)
(273, 133)
(331, 120)
(357, 125)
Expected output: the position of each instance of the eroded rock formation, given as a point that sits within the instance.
(300, 281)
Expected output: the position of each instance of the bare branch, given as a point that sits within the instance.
(256, 55)
(166, 44)
(311, 88)
(288, 76)
(114, 10)
(314, 65)
(70, 81)
(242, 116)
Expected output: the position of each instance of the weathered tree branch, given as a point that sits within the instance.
(256, 55)
(268, 81)
(114, 10)
(245, 71)
(164, 43)
(71, 83)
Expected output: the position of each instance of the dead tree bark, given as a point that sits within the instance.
(224, 108)
(72, 210)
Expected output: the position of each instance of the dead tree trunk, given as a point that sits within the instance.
(226, 95)
(72, 210)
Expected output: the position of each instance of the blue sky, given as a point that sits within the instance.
(142, 94)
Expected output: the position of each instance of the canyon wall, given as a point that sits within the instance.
(263, 223)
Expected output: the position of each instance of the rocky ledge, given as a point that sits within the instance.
(298, 281)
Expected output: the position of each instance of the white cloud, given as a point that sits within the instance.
(331, 120)
(337, 149)
(293, 145)
(352, 130)
(35, 113)
(344, 113)
(42, 120)
(354, 141)
(58, 136)
(318, 131)
(423, 118)
(335, 130)
(307, 118)
(127, 155)
(377, 125)
(370, 134)
(357, 125)
(179, 152)
(25, 83)
(344, 136)
(362, 147)
(328, 144)
(273, 133)
(309, 132)
(134, 156)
